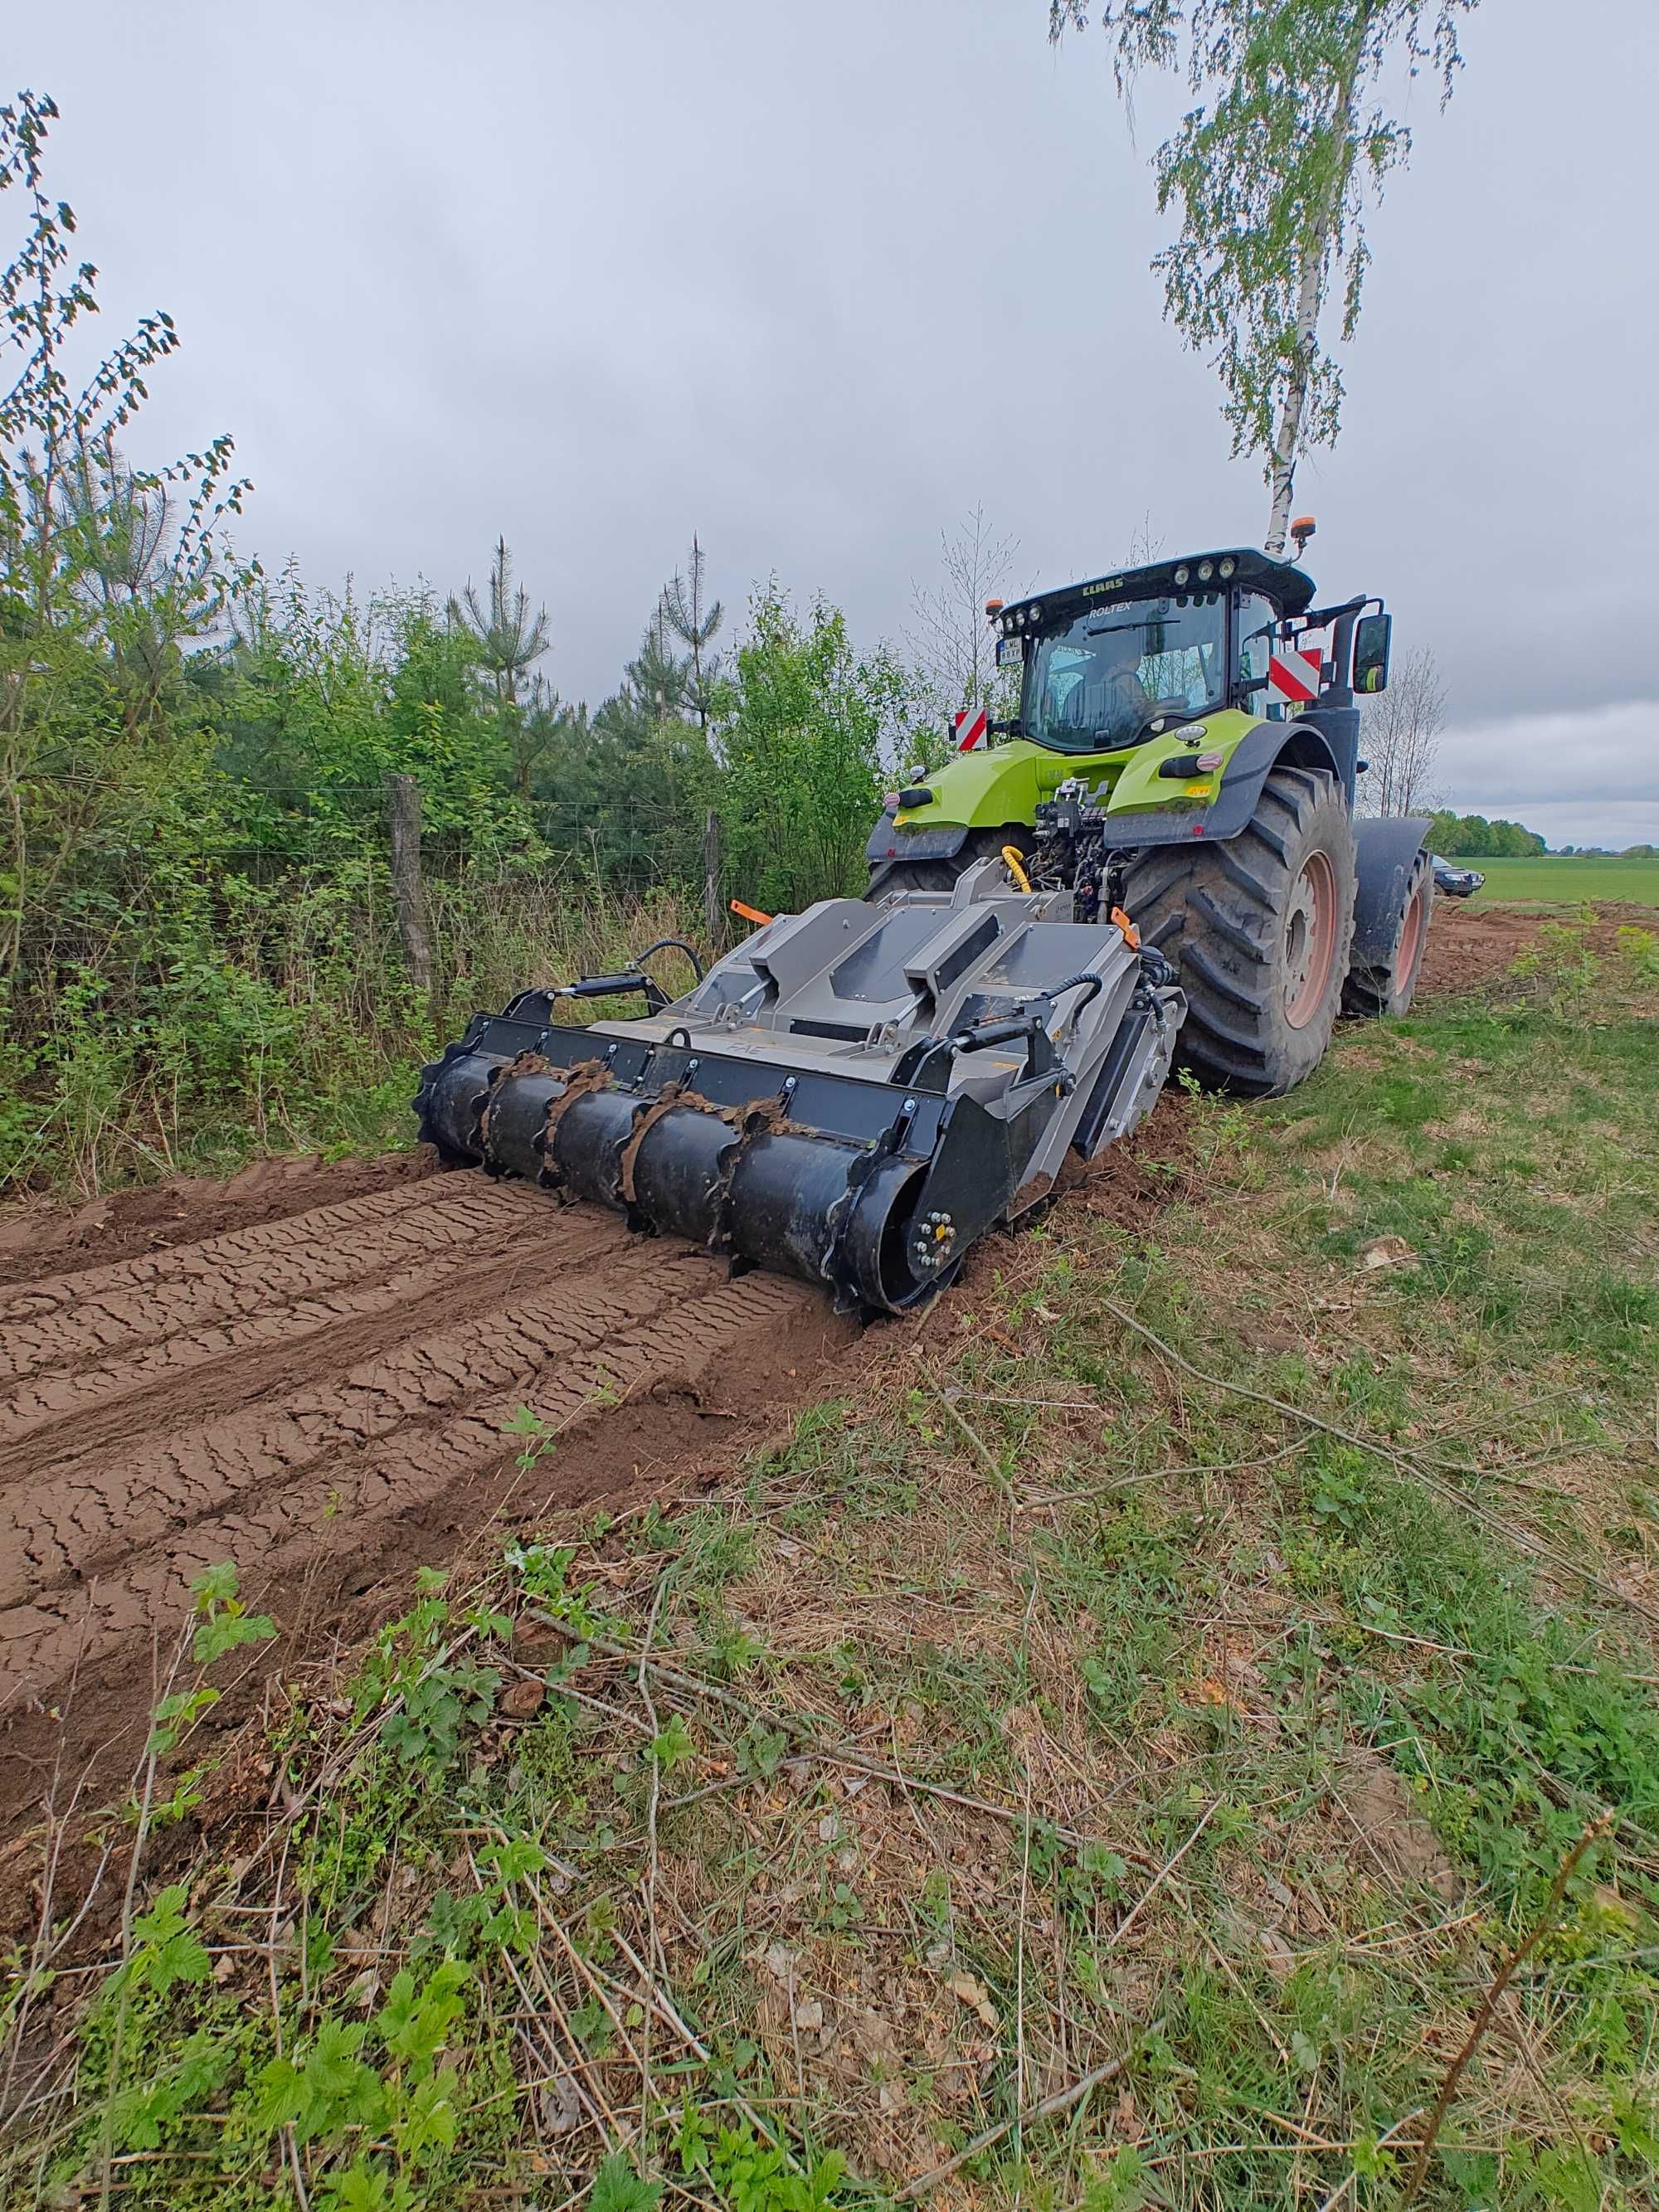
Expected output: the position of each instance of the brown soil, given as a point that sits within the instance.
(307, 1370)
(1472, 948)
(40, 1233)
(319, 1396)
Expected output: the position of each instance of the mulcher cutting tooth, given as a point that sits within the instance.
(853, 1096)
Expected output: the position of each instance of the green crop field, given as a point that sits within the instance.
(1552, 881)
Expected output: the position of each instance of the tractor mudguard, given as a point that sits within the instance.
(889, 843)
(1301, 743)
(1386, 846)
(1253, 760)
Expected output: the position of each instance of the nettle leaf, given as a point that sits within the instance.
(177, 1715)
(365, 2186)
(142, 2114)
(618, 2188)
(673, 1745)
(167, 1949)
(327, 2091)
(215, 1586)
(429, 2121)
(516, 1859)
(415, 2024)
(228, 1633)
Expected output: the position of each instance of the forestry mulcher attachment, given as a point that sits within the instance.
(852, 1096)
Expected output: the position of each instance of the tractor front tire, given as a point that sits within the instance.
(941, 875)
(1377, 988)
(1259, 931)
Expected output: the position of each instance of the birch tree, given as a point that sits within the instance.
(949, 638)
(1287, 142)
(1402, 737)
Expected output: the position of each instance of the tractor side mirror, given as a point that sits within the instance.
(1370, 652)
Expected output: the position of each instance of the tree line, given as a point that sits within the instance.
(1472, 837)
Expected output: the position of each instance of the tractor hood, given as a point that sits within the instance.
(1002, 787)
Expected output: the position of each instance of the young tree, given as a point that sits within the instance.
(657, 678)
(1401, 736)
(696, 624)
(812, 722)
(1271, 170)
(105, 569)
(949, 638)
(508, 640)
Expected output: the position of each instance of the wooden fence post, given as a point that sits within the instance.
(403, 812)
(714, 914)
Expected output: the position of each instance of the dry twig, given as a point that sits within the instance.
(1061, 2101)
(1488, 2005)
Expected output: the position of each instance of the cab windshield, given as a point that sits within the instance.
(1116, 670)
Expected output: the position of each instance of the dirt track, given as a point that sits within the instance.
(1471, 948)
(320, 1398)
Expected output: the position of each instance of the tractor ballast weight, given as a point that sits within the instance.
(1186, 749)
(852, 1096)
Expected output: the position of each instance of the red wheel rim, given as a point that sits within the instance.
(1411, 939)
(1310, 939)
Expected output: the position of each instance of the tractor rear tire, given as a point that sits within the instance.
(1260, 931)
(1376, 989)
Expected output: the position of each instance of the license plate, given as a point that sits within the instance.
(1010, 651)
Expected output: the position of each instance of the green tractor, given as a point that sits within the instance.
(1184, 755)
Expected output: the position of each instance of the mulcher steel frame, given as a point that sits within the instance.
(853, 1095)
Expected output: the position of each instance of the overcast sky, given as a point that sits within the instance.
(814, 281)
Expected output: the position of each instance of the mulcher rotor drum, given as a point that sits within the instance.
(853, 1096)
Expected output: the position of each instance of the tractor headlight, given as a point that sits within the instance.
(1020, 618)
(1227, 568)
(1206, 570)
(1182, 574)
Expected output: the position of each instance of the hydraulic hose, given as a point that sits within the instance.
(675, 944)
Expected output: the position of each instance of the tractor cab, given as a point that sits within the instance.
(1163, 691)
(1117, 660)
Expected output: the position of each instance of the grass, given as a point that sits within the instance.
(327, 1042)
(1183, 1668)
(1553, 880)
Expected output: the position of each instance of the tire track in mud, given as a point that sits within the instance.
(86, 1409)
(89, 1508)
(340, 1518)
(322, 1398)
(108, 1310)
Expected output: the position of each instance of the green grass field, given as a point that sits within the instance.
(1550, 881)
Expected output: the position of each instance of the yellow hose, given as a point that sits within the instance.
(1014, 861)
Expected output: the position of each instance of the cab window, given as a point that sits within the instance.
(1257, 624)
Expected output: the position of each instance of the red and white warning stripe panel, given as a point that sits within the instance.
(1294, 674)
(969, 725)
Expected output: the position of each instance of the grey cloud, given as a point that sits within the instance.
(1580, 776)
